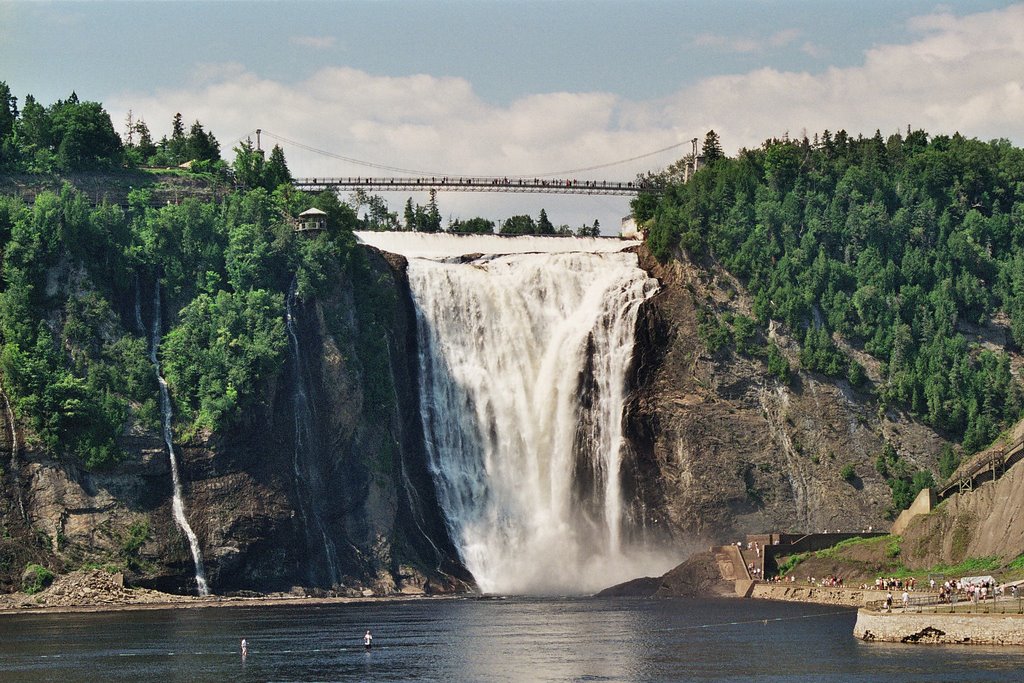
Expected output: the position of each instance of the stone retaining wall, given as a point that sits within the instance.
(853, 597)
(979, 629)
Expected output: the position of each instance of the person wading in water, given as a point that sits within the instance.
(368, 641)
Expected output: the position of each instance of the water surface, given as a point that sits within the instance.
(482, 640)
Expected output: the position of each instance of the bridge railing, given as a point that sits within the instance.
(997, 462)
(481, 184)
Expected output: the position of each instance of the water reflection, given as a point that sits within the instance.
(481, 640)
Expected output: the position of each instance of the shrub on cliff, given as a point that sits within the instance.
(35, 578)
(224, 346)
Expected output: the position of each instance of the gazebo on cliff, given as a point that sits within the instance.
(311, 221)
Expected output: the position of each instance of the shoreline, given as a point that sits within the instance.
(212, 602)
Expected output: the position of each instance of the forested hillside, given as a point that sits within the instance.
(907, 248)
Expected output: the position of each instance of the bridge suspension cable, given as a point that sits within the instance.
(397, 169)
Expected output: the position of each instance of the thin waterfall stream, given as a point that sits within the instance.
(305, 447)
(525, 346)
(177, 503)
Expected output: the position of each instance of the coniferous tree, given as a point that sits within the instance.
(544, 226)
(276, 172)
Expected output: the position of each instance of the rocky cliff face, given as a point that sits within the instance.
(987, 522)
(718, 447)
(723, 448)
(252, 495)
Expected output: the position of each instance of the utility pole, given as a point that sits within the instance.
(258, 131)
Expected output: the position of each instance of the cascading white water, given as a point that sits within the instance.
(304, 440)
(523, 361)
(177, 503)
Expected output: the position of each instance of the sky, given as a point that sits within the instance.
(517, 87)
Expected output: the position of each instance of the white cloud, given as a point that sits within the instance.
(955, 74)
(315, 42)
(958, 74)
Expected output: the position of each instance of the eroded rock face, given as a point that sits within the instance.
(723, 448)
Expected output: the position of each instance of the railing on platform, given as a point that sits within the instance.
(956, 604)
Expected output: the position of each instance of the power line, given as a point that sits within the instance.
(396, 169)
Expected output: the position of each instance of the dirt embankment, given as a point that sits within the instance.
(93, 588)
(698, 576)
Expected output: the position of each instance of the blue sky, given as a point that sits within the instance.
(525, 87)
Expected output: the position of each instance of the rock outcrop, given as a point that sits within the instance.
(723, 448)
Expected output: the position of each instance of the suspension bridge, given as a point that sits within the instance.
(406, 180)
(476, 184)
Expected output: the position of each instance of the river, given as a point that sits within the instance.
(516, 639)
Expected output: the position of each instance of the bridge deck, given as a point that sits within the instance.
(477, 184)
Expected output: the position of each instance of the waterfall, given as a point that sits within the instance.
(306, 449)
(177, 504)
(15, 449)
(138, 307)
(523, 360)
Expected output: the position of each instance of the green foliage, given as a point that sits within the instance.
(377, 216)
(35, 578)
(131, 544)
(948, 462)
(790, 563)
(848, 472)
(778, 366)
(1017, 563)
(904, 482)
(712, 332)
(77, 282)
(420, 218)
(893, 245)
(971, 566)
(472, 226)
(252, 170)
(518, 225)
(838, 548)
(222, 350)
(820, 354)
(69, 135)
(593, 230)
(892, 548)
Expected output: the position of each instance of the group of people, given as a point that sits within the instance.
(895, 584)
(830, 581)
(975, 591)
(781, 579)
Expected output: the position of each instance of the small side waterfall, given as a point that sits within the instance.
(523, 369)
(15, 450)
(177, 504)
(305, 449)
(138, 307)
